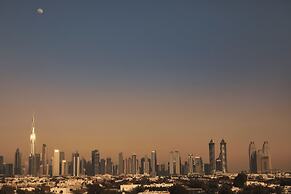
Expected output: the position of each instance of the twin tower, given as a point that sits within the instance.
(259, 160)
(217, 164)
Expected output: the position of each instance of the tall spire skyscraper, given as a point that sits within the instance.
(32, 162)
(32, 137)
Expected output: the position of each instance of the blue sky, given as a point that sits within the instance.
(173, 55)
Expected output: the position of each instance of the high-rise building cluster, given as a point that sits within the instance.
(259, 160)
(58, 165)
(219, 164)
(5, 168)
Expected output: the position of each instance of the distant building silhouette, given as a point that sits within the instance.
(44, 161)
(260, 160)
(65, 168)
(190, 164)
(95, 159)
(207, 169)
(56, 163)
(89, 169)
(102, 166)
(146, 165)
(62, 157)
(212, 161)
(221, 161)
(252, 157)
(109, 166)
(141, 169)
(223, 154)
(76, 164)
(17, 163)
(32, 165)
(266, 159)
(37, 164)
(82, 166)
(134, 164)
(153, 165)
(218, 164)
(115, 169)
(163, 170)
(120, 164)
(32, 160)
(198, 163)
(8, 170)
(50, 167)
(128, 164)
(175, 163)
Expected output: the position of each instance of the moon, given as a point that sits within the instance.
(39, 11)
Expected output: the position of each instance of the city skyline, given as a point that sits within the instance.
(136, 77)
(57, 164)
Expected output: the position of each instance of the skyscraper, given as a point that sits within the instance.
(154, 163)
(109, 166)
(260, 160)
(50, 167)
(134, 164)
(141, 170)
(62, 157)
(64, 168)
(76, 164)
(190, 164)
(32, 168)
(31, 165)
(266, 158)
(8, 170)
(32, 137)
(218, 164)
(120, 164)
(128, 165)
(56, 163)
(223, 155)
(175, 163)
(17, 163)
(95, 157)
(89, 168)
(44, 161)
(212, 162)
(146, 165)
(37, 164)
(82, 166)
(115, 168)
(252, 157)
(102, 166)
(198, 162)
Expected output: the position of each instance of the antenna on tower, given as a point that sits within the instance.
(33, 120)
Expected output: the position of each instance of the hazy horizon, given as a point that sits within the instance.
(133, 77)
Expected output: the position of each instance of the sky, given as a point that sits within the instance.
(136, 76)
